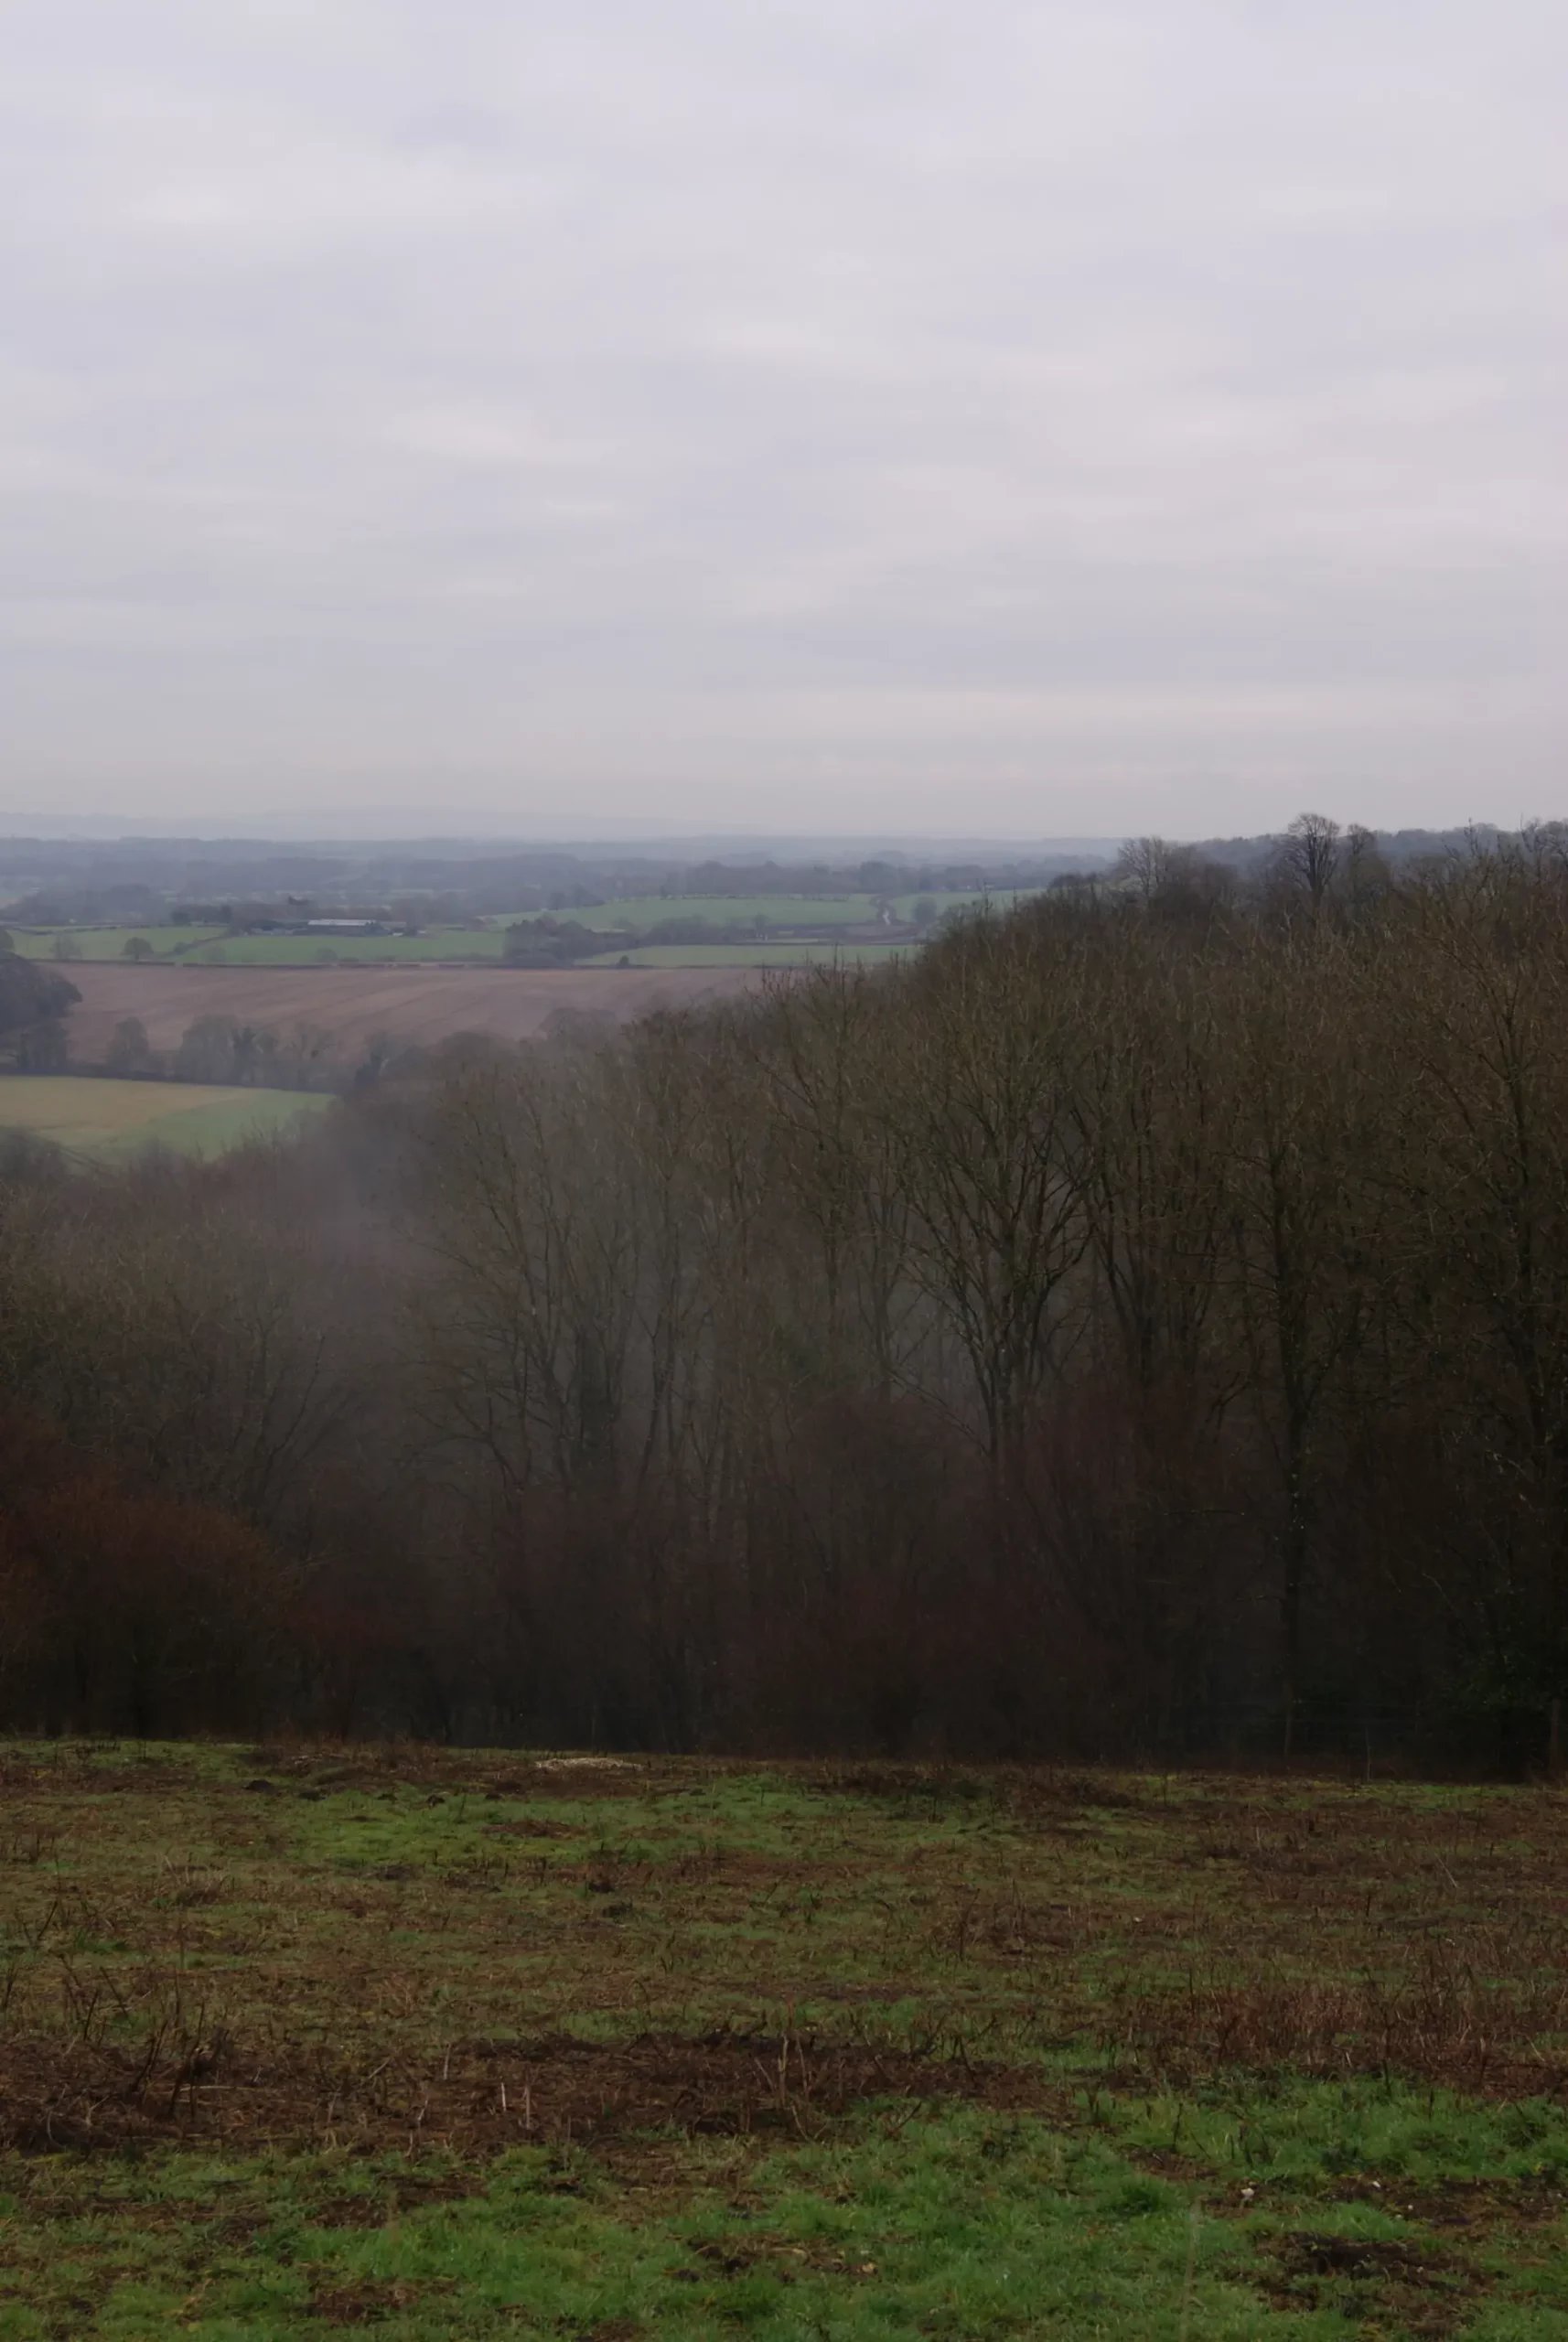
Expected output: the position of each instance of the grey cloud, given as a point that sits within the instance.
(1034, 417)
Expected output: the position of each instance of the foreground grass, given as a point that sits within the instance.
(99, 1116)
(294, 2041)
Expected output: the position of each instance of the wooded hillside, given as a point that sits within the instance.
(1140, 1323)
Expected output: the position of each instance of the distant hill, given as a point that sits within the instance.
(45, 880)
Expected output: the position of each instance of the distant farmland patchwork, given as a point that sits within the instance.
(423, 988)
(789, 930)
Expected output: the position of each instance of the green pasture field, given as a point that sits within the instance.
(210, 946)
(784, 953)
(643, 912)
(109, 942)
(202, 945)
(105, 1117)
(904, 905)
(298, 2040)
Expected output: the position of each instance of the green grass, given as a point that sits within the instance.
(106, 1117)
(109, 942)
(951, 2226)
(210, 946)
(783, 953)
(642, 911)
(300, 2040)
(206, 946)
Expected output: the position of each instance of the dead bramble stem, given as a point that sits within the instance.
(1186, 2291)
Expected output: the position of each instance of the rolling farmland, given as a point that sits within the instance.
(794, 928)
(417, 1005)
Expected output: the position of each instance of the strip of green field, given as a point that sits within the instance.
(785, 953)
(633, 915)
(640, 912)
(107, 942)
(104, 1117)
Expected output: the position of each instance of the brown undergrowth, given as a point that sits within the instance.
(1439, 2024)
(1415, 2291)
(190, 2083)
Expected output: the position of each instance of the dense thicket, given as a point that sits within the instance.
(1140, 1323)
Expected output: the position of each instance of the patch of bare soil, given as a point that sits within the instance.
(372, 2299)
(443, 1772)
(1467, 2209)
(483, 2095)
(1414, 2288)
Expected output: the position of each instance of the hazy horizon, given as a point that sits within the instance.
(667, 840)
(606, 840)
(1049, 424)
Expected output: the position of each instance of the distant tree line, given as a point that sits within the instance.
(1138, 1326)
(139, 882)
(33, 1003)
(551, 943)
(233, 1051)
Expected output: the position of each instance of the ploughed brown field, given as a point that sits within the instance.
(415, 1003)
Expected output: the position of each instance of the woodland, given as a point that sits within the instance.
(1136, 1327)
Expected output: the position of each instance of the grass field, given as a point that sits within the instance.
(783, 953)
(643, 912)
(640, 911)
(207, 946)
(295, 2041)
(102, 1117)
(109, 942)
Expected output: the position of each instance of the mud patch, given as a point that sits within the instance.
(1467, 2209)
(483, 2097)
(1414, 2288)
(371, 2300)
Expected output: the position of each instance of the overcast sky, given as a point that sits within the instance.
(1091, 416)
